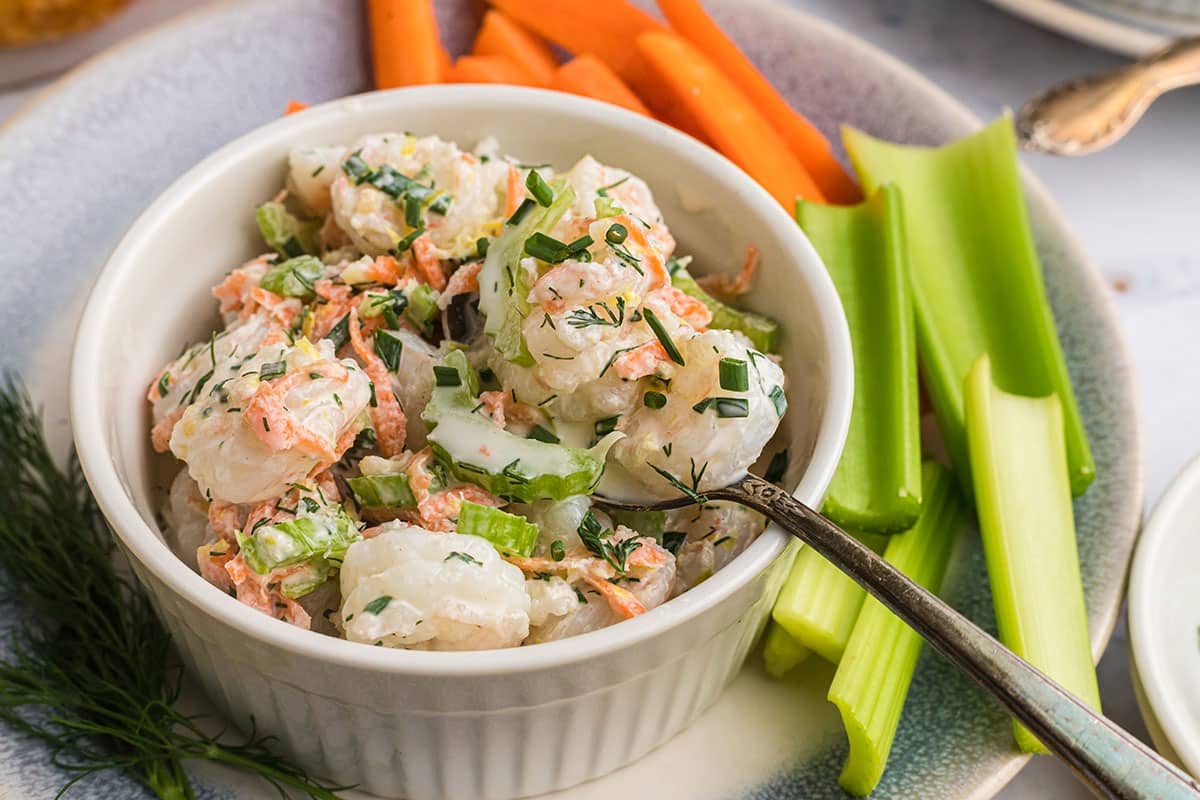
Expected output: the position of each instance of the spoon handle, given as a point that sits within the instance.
(1110, 761)
(1088, 114)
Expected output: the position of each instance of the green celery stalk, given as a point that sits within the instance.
(872, 680)
(1019, 463)
(976, 282)
(877, 486)
(781, 652)
(509, 533)
(819, 604)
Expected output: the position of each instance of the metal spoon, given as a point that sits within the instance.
(1109, 760)
(1088, 114)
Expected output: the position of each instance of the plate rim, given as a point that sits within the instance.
(992, 783)
(1149, 668)
(1115, 33)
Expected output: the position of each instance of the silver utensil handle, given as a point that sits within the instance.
(1109, 760)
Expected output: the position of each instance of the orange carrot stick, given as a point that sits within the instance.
(489, 69)
(604, 28)
(589, 76)
(728, 119)
(692, 22)
(500, 36)
(294, 107)
(405, 46)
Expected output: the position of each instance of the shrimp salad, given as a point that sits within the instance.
(395, 435)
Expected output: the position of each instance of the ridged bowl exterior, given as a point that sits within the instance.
(445, 726)
(432, 738)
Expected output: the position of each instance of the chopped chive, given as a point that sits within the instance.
(605, 426)
(374, 402)
(548, 399)
(163, 383)
(339, 334)
(547, 165)
(466, 558)
(779, 399)
(703, 405)
(526, 206)
(616, 233)
(734, 376)
(336, 398)
(389, 349)
(271, 370)
(412, 211)
(654, 399)
(580, 245)
(481, 247)
(377, 605)
(407, 242)
(356, 168)
(548, 249)
(446, 376)
(543, 435)
(603, 190)
(661, 332)
(732, 407)
(441, 205)
(540, 190)
(558, 551)
(777, 467)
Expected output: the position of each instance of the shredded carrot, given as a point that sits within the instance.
(293, 107)
(691, 21)
(727, 287)
(489, 69)
(429, 268)
(500, 36)
(731, 122)
(588, 76)
(405, 47)
(387, 416)
(604, 28)
(514, 191)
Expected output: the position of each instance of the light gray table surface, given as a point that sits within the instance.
(1135, 207)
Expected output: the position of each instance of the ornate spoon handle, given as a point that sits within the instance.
(1088, 114)
(1110, 761)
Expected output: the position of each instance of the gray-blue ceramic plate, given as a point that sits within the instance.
(91, 153)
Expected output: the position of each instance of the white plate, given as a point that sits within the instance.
(1111, 25)
(1164, 620)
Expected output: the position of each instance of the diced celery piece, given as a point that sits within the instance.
(763, 332)
(324, 536)
(284, 232)
(647, 523)
(976, 282)
(383, 491)
(422, 306)
(478, 451)
(877, 486)
(299, 583)
(819, 604)
(876, 670)
(1019, 466)
(510, 534)
(295, 277)
(504, 286)
(781, 652)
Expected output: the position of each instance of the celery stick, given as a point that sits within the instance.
(781, 653)
(383, 491)
(819, 604)
(877, 486)
(872, 680)
(976, 282)
(1019, 461)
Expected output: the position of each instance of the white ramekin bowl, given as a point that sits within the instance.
(473, 725)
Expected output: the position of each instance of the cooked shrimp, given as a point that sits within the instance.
(375, 221)
(311, 171)
(712, 447)
(438, 512)
(245, 443)
(408, 587)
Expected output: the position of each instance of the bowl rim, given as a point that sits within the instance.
(138, 540)
(1151, 671)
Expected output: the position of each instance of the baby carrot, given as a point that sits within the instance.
(500, 36)
(590, 77)
(405, 46)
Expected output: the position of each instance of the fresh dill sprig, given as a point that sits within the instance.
(597, 541)
(91, 674)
